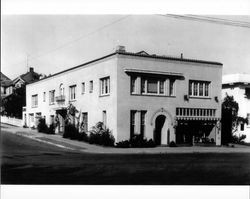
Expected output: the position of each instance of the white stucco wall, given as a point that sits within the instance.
(152, 104)
(92, 103)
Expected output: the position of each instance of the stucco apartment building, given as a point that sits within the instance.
(163, 98)
(238, 86)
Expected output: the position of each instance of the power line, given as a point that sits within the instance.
(221, 21)
(72, 41)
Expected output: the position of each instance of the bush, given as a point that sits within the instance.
(51, 129)
(238, 139)
(101, 136)
(71, 132)
(136, 142)
(42, 126)
(83, 137)
(123, 144)
(172, 144)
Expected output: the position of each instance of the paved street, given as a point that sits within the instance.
(26, 161)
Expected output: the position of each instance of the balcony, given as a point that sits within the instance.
(60, 98)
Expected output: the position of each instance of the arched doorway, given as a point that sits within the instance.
(159, 123)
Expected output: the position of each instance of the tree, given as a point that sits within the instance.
(13, 104)
(229, 120)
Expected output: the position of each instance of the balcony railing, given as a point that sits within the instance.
(60, 98)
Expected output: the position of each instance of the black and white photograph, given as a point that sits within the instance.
(125, 99)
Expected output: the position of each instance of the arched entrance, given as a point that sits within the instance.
(159, 123)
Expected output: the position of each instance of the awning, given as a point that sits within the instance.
(151, 72)
(198, 118)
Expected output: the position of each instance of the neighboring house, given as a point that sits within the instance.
(238, 86)
(27, 78)
(9, 87)
(162, 98)
(6, 86)
(6, 89)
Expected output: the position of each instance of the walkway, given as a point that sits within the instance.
(59, 141)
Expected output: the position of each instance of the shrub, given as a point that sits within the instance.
(136, 142)
(238, 139)
(123, 144)
(102, 137)
(51, 129)
(70, 132)
(172, 144)
(83, 137)
(42, 126)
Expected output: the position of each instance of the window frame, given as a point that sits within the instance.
(199, 88)
(34, 101)
(72, 94)
(51, 102)
(105, 86)
(91, 86)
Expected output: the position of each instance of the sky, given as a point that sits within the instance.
(52, 43)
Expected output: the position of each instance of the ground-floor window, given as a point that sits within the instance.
(84, 124)
(104, 118)
(137, 122)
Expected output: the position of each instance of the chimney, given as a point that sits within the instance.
(120, 49)
(181, 55)
(31, 69)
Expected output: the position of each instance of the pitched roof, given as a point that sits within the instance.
(28, 77)
(3, 77)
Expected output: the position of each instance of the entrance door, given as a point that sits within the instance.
(159, 122)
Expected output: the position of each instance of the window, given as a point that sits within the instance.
(137, 123)
(105, 85)
(34, 101)
(133, 84)
(52, 97)
(44, 96)
(198, 88)
(143, 86)
(132, 126)
(91, 86)
(143, 122)
(61, 90)
(84, 124)
(171, 87)
(104, 118)
(83, 87)
(72, 92)
(161, 87)
(152, 86)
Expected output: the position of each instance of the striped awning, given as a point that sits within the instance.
(198, 118)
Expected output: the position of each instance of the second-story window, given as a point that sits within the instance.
(61, 90)
(83, 87)
(34, 101)
(44, 96)
(105, 85)
(52, 97)
(199, 88)
(72, 92)
(91, 86)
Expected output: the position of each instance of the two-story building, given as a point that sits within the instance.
(238, 86)
(163, 98)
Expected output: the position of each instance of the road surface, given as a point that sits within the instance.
(25, 161)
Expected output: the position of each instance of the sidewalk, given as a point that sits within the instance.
(59, 141)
